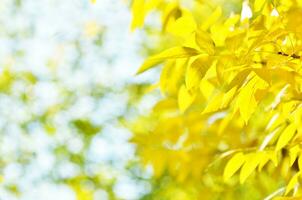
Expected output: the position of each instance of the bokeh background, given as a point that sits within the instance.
(67, 86)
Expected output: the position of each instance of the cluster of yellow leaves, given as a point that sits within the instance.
(231, 84)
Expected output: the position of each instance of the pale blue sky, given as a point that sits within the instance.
(44, 30)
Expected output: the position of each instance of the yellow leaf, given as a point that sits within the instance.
(206, 88)
(165, 76)
(293, 153)
(263, 160)
(268, 139)
(172, 76)
(239, 79)
(158, 162)
(273, 156)
(183, 26)
(138, 13)
(246, 101)
(172, 53)
(214, 103)
(251, 162)
(292, 183)
(267, 156)
(185, 98)
(227, 97)
(233, 165)
(232, 20)
(170, 13)
(148, 64)
(235, 41)
(258, 4)
(300, 162)
(196, 71)
(212, 19)
(139, 9)
(219, 32)
(205, 42)
(286, 136)
(224, 123)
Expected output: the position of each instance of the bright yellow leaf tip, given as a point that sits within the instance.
(286, 136)
(172, 53)
(233, 165)
(185, 98)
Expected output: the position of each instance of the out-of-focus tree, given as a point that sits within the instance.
(62, 101)
(228, 125)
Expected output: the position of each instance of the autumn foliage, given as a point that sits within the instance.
(228, 124)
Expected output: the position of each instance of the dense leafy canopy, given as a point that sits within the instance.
(228, 125)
